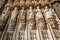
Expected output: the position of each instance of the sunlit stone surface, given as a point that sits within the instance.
(29, 20)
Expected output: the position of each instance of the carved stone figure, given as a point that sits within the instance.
(4, 16)
(21, 18)
(14, 13)
(30, 18)
(30, 14)
(12, 23)
(40, 22)
(22, 14)
(49, 16)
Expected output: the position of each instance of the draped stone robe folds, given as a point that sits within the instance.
(49, 17)
(4, 16)
(21, 19)
(40, 22)
(12, 23)
(30, 18)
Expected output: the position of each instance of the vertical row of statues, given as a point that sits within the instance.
(32, 20)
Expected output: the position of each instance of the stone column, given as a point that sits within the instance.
(40, 22)
(30, 22)
(50, 20)
(11, 24)
(21, 25)
(4, 18)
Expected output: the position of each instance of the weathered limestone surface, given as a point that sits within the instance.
(2, 3)
(30, 20)
(57, 8)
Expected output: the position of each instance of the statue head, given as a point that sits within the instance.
(30, 7)
(46, 7)
(38, 7)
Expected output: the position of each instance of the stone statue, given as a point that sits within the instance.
(30, 14)
(38, 13)
(21, 19)
(30, 18)
(14, 13)
(49, 16)
(11, 24)
(40, 19)
(5, 15)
